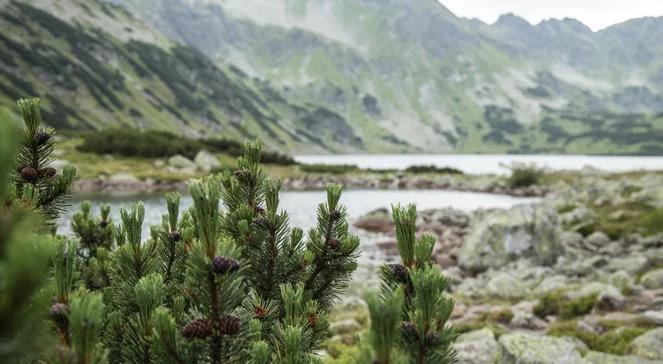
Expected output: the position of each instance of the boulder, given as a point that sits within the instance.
(123, 178)
(649, 345)
(506, 285)
(530, 348)
(180, 162)
(653, 279)
(597, 239)
(595, 357)
(631, 264)
(477, 347)
(653, 317)
(207, 162)
(621, 279)
(501, 236)
(378, 220)
(551, 284)
(608, 297)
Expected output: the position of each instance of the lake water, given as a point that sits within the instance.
(489, 164)
(302, 205)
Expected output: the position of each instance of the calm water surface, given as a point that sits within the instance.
(493, 164)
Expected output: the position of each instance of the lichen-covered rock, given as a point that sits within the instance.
(653, 279)
(477, 347)
(631, 264)
(551, 284)
(501, 236)
(180, 161)
(595, 357)
(597, 239)
(608, 297)
(378, 220)
(506, 285)
(344, 327)
(206, 161)
(649, 345)
(530, 348)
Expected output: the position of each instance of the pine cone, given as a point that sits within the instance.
(229, 325)
(259, 210)
(58, 313)
(222, 265)
(432, 339)
(261, 221)
(103, 223)
(175, 235)
(29, 174)
(334, 244)
(41, 137)
(335, 215)
(312, 320)
(48, 172)
(400, 272)
(409, 331)
(197, 329)
(242, 174)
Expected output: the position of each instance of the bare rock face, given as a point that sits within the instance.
(529, 232)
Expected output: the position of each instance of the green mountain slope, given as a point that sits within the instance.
(436, 82)
(338, 75)
(96, 67)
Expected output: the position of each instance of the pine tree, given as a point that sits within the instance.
(409, 317)
(37, 184)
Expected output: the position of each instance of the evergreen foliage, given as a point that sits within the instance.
(37, 184)
(409, 317)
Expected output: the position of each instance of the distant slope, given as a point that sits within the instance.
(95, 66)
(412, 74)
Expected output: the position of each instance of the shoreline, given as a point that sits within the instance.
(319, 182)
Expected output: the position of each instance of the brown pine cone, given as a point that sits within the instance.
(432, 339)
(312, 319)
(229, 325)
(48, 172)
(222, 265)
(260, 312)
(29, 174)
(58, 313)
(175, 235)
(334, 244)
(197, 329)
(400, 272)
(335, 215)
(41, 137)
(409, 331)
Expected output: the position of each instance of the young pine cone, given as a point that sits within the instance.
(48, 172)
(335, 215)
(312, 320)
(242, 174)
(29, 174)
(175, 235)
(400, 272)
(103, 223)
(334, 244)
(197, 329)
(41, 137)
(58, 313)
(260, 312)
(222, 265)
(229, 325)
(432, 339)
(409, 331)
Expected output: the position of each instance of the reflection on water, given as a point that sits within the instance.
(489, 164)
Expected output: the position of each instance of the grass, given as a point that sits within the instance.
(617, 340)
(525, 176)
(557, 304)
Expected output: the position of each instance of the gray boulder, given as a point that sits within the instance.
(530, 348)
(595, 357)
(501, 236)
(477, 347)
(653, 279)
(649, 345)
(180, 162)
(598, 239)
(506, 285)
(206, 161)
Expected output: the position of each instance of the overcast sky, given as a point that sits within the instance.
(597, 14)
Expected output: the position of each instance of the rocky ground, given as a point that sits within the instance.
(577, 278)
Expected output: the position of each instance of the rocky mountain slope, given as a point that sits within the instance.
(411, 75)
(338, 75)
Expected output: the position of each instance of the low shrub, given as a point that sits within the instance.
(162, 144)
(432, 169)
(329, 168)
(558, 304)
(525, 176)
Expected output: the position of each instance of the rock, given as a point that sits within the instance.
(527, 320)
(550, 284)
(444, 217)
(477, 347)
(506, 285)
(207, 162)
(376, 221)
(653, 279)
(577, 344)
(59, 164)
(631, 264)
(649, 345)
(595, 357)
(344, 327)
(123, 178)
(622, 280)
(530, 348)
(180, 162)
(159, 163)
(571, 238)
(654, 317)
(597, 239)
(501, 236)
(608, 297)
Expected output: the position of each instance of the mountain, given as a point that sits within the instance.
(361, 75)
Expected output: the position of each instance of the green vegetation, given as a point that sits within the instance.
(432, 169)
(329, 168)
(161, 144)
(614, 341)
(525, 176)
(558, 304)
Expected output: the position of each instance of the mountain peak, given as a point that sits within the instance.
(512, 20)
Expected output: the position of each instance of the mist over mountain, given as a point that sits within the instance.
(340, 75)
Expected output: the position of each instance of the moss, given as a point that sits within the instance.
(567, 207)
(502, 316)
(558, 304)
(615, 341)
